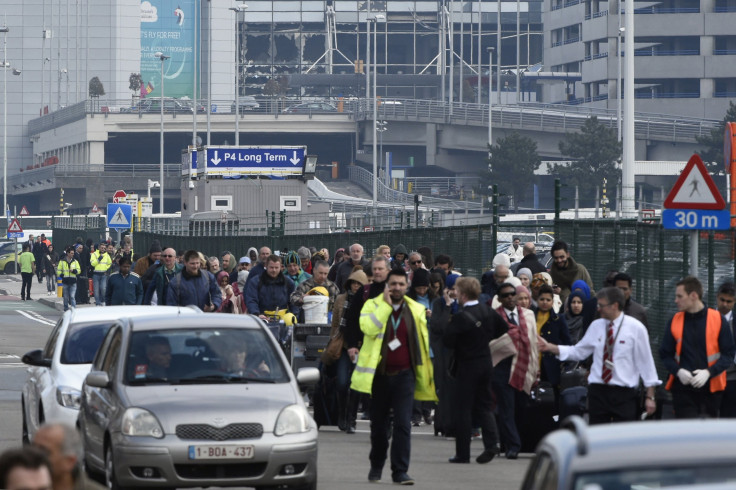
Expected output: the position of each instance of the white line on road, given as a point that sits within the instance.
(12, 365)
(39, 320)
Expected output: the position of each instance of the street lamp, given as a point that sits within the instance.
(375, 110)
(237, 10)
(382, 127)
(152, 184)
(6, 65)
(490, 100)
(621, 30)
(163, 58)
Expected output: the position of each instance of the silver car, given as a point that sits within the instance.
(197, 401)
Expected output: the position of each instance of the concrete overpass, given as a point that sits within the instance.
(99, 146)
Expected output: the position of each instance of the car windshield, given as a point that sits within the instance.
(657, 477)
(203, 356)
(82, 342)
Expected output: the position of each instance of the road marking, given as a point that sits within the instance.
(36, 319)
(9, 356)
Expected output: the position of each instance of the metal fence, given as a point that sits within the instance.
(656, 259)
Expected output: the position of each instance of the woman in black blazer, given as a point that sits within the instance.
(553, 328)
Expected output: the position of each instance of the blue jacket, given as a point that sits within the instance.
(267, 294)
(255, 271)
(124, 290)
(160, 285)
(201, 290)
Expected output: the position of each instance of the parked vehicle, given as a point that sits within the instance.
(663, 454)
(310, 108)
(190, 402)
(53, 388)
(153, 104)
(245, 103)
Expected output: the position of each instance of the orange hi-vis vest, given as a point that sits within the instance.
(712, 331)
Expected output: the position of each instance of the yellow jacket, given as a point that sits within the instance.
(64, 270)
(373, 319)
(100, 264)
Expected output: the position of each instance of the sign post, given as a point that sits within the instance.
(694, 204)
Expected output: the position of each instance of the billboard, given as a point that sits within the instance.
(168, 26)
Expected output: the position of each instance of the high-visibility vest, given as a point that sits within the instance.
(712, 331)
(65, 268)
(373, 319)
(100, 264)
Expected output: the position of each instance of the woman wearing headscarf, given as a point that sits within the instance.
(540, 279)
(574, 315)
(525, 276)
(232, 302)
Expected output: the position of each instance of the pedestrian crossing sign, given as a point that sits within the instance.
(14, 227)
(119, 216)
(695, 189)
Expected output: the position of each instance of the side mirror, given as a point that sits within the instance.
(35, 358)
(307, 376)
(98, 379)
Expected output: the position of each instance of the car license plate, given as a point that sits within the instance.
(221, 452)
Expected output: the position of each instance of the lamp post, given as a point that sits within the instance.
(490, 100)
(375, 111)
(382, 127)
(163, 58)
(237, 10)
(6, 65)
(618, 80)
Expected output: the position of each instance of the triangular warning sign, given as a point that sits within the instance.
(24, 212)
(694, 189)
(95, 209)
(119, 218)
(14, 227)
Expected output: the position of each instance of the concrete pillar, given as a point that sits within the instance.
(431, 140)
(96, 152)
(707, 85)
(707, 6)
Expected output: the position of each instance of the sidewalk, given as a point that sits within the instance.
(38, 292)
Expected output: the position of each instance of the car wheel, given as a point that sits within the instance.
(10, 268)
(24, 437)
(110, 478)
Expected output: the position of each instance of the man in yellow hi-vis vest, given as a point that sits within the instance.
(697, 347)
(394, 368)
(101, 263)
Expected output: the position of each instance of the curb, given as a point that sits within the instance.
(51, 303)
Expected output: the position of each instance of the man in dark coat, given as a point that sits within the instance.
(530, 259)
(270, 291)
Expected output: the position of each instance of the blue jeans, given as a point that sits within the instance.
(50, 283)
(392, 392)
(69, 291)
(99, 282)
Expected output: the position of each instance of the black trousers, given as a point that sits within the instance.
(392, 393)
(610, 403)
(25, 289)
(690, 403)
(474, 403)
(728, 401)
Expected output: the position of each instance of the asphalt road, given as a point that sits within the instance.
(343, 459)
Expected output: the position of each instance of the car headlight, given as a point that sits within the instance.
(293, 419)
(68, 397)
(139, 422)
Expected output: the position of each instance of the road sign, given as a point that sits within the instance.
(14, 229)
(24, 212)
(119, 196)
(694, 189)
(14, 226)
(696, 219)
(255, 160)
(119, 216)
(95, 208)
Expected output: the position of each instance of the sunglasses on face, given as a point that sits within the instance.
(416, 262)
(168, 256)
(506, 295)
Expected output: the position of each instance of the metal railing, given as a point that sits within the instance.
(668, 95)
(39, 175)
(672, 52)
(364, 178)
(565, 116)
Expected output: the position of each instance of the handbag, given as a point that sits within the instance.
(543, 393)
(333, 351)
(575, 375)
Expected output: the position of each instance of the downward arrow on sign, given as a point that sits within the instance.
(216, 160)
(295, 160)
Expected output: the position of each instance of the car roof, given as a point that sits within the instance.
(130, 311)
(205, 320)
(668, 443)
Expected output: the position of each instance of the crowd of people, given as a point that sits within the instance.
(414, 341)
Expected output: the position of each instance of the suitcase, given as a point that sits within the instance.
(573, 401)
(325, 401)
(535, 421)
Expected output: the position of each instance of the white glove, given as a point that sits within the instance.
(685, 376)
(700, 377)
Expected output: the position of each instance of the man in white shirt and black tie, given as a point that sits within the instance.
(621, 355)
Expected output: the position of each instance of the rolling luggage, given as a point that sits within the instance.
(325, 401)
(573, 401)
